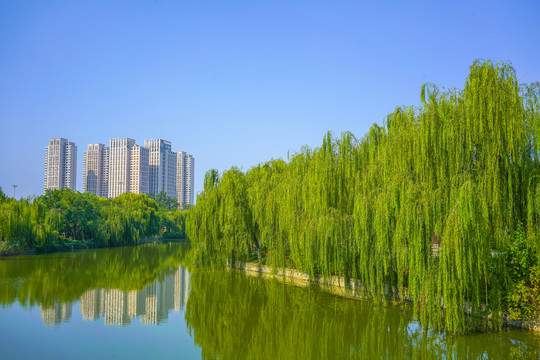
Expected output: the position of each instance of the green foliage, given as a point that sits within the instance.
(524, 299)
(7, 248)
(172, 220)
(425, 207)
(128, 218)
(164, 201)
(173, 224)
(211, 179)
(520, 256)
(63, 218)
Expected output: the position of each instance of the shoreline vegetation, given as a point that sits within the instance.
(63, 220)
(442, 200)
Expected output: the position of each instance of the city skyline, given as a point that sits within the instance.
(124, 166)
(235, 83)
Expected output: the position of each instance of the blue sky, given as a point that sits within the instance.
(233, 82)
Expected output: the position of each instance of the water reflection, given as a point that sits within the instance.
(115, 284)
(152, 304)
(57, 314)
(229, 315)
(234, 316)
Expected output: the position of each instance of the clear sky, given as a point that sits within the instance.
(233, 82)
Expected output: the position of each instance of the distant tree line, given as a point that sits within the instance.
(441, 204)
(64, 218)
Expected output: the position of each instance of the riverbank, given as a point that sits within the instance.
(337, 285)
(10, 249)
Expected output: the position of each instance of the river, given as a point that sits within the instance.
(147, 302)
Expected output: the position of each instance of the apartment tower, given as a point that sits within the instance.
(138, 170)
(185, 179)
(189, 171)
(96, 170)
(127, 167)
(119, 165)
(60, 165)
(162, 167)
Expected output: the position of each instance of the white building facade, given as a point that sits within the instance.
(119, 166)
(139, 170)
(162, 167)
(125, 166)
(96, 170)
(60, 165)
(185, 178)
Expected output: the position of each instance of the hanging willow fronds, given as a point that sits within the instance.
(425, 206)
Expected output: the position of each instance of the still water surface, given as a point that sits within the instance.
(143, 302)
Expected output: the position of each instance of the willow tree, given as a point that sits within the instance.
(60, 218)
(425, 207)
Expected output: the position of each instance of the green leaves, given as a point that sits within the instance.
(211, 179)
(424, 207)
(63, 215)
(165, 202)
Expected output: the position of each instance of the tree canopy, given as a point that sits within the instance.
(426, 207)
(63, 216)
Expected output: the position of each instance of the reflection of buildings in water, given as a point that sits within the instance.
(56, 314)
(152, 304)
(135, 303)
(92, 304)
(181, 288)
(116, 309)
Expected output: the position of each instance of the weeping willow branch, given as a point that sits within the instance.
(429, 202)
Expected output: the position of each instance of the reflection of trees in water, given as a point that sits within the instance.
(64, 277)
(232, 316)
(113, 278)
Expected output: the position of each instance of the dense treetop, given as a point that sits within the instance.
(63, 217)
(441, 204)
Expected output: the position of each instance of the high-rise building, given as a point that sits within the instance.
(190, 172)
(138, 170)
(119, 165)
(171, 175)
(127, 167)
(60, 165)
(96, 170)
(162, 167)
(185, 178)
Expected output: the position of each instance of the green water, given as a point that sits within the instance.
(146, 302)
